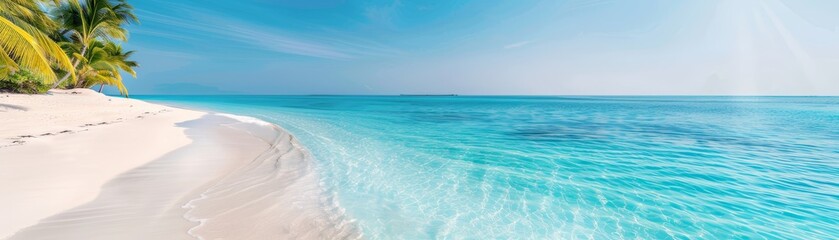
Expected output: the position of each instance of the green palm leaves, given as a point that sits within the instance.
(94, 20)
(87, 32)
(24, 44)
(102, 65)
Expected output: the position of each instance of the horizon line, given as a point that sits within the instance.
(486, 95)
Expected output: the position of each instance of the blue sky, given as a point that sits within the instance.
(551, 47)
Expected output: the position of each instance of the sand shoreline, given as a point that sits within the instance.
(86, 166)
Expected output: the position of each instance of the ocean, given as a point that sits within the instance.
(475, 167)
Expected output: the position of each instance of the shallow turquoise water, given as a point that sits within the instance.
(568, 167)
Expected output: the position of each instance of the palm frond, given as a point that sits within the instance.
(26, 50)
(102, 64)
(7, 64)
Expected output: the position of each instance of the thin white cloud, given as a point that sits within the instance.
(161, 34)
(201, 22)
(517, 45)
(169, 54)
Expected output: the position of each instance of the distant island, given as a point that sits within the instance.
(428, 95)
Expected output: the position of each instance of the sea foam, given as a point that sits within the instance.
(278, 194)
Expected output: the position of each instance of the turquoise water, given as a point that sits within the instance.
(568, 167)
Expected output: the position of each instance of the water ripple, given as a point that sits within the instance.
(565, 168)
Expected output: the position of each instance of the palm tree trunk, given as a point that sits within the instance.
(66, 76)
(75, 64)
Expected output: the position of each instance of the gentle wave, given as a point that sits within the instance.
(276, 195)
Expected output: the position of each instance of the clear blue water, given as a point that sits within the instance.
(568, 167)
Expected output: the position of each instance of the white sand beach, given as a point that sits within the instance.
(76, 164)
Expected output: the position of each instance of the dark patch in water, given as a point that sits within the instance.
(553, 135)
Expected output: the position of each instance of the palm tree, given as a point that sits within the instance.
(23, 44)
(91, 20)
(102, 64)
